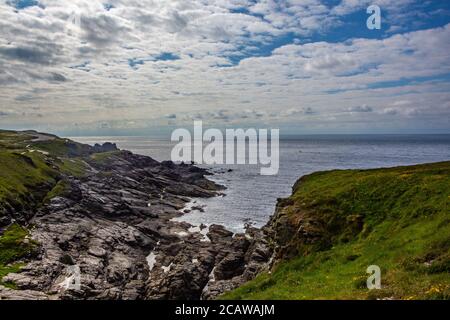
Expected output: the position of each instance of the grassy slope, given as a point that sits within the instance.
(30, 174)
(404, 227)
(13, 246)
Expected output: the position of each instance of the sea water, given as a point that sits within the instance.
(250, 198)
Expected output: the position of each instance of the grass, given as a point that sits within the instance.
(397, 218)
(32, 173)
(61, 188)
(24, 178)
(104, 156)
(29, 170)
(63, 147)
(12, 140)
(13, 247)
(74, 167)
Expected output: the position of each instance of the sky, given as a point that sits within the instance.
(116, 67)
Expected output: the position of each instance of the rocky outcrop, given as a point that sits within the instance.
(110, 234)
(105, 147)
(206, 267)
(240, 261)
(10, 294)
(106, 223)
(103, 221)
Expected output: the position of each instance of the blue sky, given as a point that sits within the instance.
(138, 67)
(435, 14)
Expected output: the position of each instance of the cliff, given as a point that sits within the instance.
(337, 223)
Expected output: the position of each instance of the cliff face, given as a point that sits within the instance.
(337, 223)
(108, 213)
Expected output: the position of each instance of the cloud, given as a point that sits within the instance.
(389, 111)
(57, 77)
(103, 30)
(134, 63)
(363, 108)
(43, 56)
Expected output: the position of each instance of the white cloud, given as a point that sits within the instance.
(53, 75)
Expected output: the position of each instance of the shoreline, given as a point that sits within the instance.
(108, 218)
(116, 220)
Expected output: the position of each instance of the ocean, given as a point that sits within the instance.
(250, 198)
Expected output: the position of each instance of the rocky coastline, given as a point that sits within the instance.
(115, 223)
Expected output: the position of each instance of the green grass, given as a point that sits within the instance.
(73, 166)
(61, 188)
(104, 156)
(62, 147)
(23, 178)
(27, 175)
(31, 174)
(12, 140)
(397, 218)
(13, 247)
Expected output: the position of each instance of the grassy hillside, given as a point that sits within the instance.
(31, 165)
(338, 223)
(34, 168)
(14, 245)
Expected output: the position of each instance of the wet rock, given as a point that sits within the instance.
(107, 223)
(103, 225)
(217, 233)
(230, 266)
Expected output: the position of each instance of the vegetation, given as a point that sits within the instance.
(63, 147)
(24, 177)
(396, 218)
(32, 168)
(104, 156)
(74, 166)
(14, 246)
